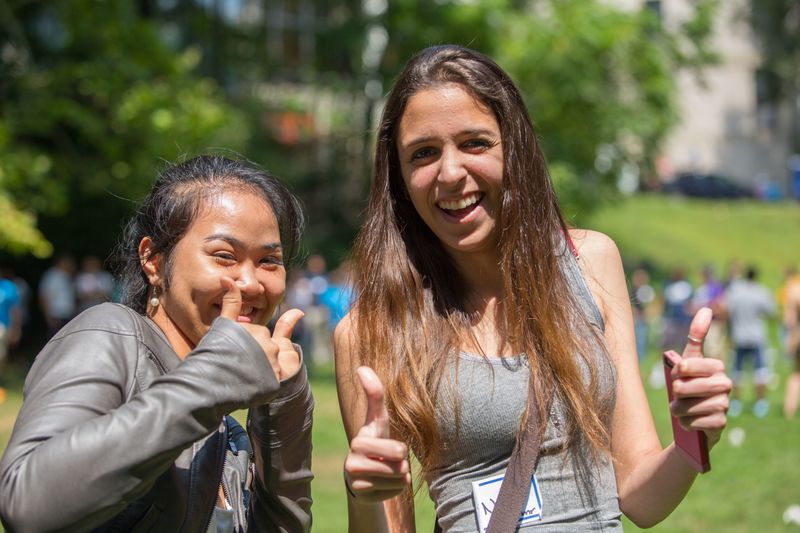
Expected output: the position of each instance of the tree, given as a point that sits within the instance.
(94, 101)
(599, 83)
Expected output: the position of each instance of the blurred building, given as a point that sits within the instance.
(729, 123)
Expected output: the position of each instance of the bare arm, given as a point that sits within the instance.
(651, 481)
(376, 468)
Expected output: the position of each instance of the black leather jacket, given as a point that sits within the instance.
(116, 433)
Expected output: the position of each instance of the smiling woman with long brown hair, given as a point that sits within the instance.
(476, 305)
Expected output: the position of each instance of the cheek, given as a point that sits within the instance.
(275, 285)
(419, 188)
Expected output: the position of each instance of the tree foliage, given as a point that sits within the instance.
(93, 101)
(96, 92)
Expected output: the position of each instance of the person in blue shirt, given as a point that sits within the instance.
(9, 324)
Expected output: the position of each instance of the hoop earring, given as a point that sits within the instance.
(154, 300)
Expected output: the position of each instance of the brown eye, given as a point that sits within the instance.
(422, 153)
(272, 261)
(225, 257)
(477, 145)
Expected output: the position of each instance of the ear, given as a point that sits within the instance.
(151, 263)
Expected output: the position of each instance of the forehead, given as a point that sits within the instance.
(444, 106)
(239, 207)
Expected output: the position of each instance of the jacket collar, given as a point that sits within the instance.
(157, 343)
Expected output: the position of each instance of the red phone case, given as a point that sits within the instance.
(692, 444)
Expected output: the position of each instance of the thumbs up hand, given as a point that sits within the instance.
(700, 385)
(277, 346)
(376, 468)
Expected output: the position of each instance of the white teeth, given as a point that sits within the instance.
(246, 309)
(453, 205)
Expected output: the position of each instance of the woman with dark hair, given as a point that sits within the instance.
(125, 424)
(477, 308)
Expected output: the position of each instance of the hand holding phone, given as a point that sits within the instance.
(693, 445)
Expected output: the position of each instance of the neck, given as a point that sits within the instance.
(482, 279)
(176, 338)
(484, 297)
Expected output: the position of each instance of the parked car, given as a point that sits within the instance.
(706, 186)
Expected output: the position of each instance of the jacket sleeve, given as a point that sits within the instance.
(281, 435)
(87, 442)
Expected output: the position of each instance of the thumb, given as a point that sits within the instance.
(697, 333)
(231, 300)
(286, 323)
(377, 420)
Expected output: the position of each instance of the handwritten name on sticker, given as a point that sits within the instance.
(484, 495)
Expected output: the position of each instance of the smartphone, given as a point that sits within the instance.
(692, 444)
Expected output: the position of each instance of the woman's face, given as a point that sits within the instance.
(451, 159)
(235, 234)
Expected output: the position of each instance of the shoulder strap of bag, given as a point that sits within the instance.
(516, 485)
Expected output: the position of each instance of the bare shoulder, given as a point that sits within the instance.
(601, 264)
(344, 329)
(598, 252)
(344, 337)
(352, 404)
(593, 244)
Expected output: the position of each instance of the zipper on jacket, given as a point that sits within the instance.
(221, 473)
(225, 492)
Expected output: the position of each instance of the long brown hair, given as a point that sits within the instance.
(410, 310)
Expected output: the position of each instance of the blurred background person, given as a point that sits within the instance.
(643, 297)
(709, 294)
(677, 313)
(22, 308)
(318, 334)
(790, 278)
(338, 295)
(734, 273)
(790, 303)
(305, 291)
(93, 285)
(57, 294)
(10, 325)
(748, 305)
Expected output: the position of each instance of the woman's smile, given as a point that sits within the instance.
(460, 209)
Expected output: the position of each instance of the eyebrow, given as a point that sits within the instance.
(236, 243)
(426, 138)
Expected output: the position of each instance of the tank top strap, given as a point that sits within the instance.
(572, 270)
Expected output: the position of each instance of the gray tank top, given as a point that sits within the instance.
(576, 495)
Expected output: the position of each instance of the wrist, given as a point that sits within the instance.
(347, 485)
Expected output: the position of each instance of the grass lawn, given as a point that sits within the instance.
(750, 485)
(674, 231)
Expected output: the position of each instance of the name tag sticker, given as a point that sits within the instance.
(484, 495)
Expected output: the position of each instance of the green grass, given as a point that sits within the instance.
(750, 486)
(674, 231)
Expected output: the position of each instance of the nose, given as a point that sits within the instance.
(247, 280)
(452, 169)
